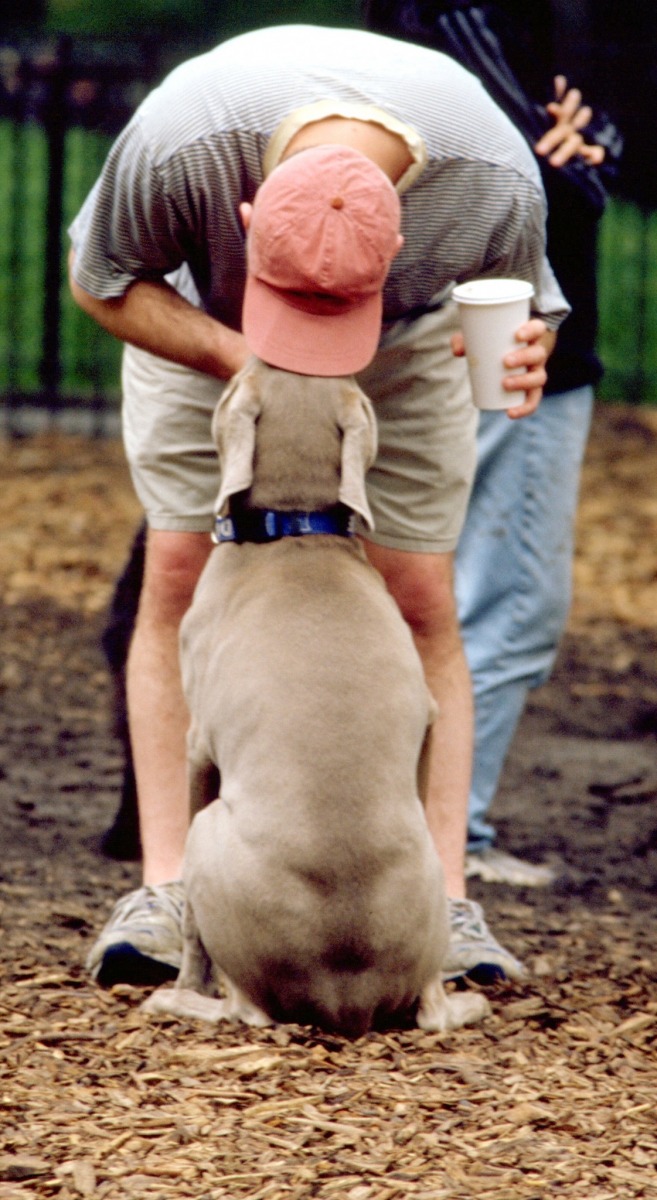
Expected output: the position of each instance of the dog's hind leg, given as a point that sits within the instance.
(442, 1013)
(202, 774)
(185, 1002)
(194, 994)
(425, 752)
(194, 988)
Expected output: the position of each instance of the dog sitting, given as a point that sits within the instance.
(313, 890)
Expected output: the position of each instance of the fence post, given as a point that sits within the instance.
(54, 119)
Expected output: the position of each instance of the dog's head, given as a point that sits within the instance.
(235, 430)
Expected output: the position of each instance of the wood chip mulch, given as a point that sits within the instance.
(554, 1095)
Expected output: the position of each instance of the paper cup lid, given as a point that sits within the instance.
(492, 291)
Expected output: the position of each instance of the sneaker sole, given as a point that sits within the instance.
(484, 974)
(123, 964)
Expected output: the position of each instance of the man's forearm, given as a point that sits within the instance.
(154, 317)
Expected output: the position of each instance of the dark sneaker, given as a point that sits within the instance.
(142, 941)
(473, 951)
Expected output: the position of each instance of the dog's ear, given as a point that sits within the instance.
(359, 443)
(234, 433)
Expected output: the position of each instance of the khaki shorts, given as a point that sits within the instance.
(419, 486)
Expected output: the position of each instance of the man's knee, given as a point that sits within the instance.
(422, 585)
(174, 561)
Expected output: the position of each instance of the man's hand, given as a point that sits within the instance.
(532, 356)
(564, 140)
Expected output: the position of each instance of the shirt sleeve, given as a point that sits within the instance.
(127, 229)
(517, 250)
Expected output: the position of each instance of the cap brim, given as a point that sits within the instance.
(280, 328)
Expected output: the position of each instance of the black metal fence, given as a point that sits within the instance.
(61, 104)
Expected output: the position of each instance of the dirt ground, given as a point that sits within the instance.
(555, 1094)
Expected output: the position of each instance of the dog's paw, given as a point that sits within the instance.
(466, 1008)
(183, 1002)
(441, 1013)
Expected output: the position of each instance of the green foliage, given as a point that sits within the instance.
(22, 241)
(89, 357)
(627, 274)
(205, 20)
(129, 18)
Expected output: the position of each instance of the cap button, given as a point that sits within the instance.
(337, 202)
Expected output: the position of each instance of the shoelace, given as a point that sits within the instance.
(466, 917)
(167, 897)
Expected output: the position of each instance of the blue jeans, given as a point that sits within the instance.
(513, 573)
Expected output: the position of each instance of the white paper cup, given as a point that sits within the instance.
(491, 310)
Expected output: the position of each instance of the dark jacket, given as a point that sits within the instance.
(513, 56)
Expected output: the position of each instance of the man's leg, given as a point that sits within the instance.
(156, 707)
(142, 941)
(418, 489)
(422, 586)
(513, 586)
(167, 415)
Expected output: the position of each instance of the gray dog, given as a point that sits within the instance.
(313, 891)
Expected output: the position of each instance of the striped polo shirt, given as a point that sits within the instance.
(166, 203)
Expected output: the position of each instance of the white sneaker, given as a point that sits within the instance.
(496, 866)
(473, 951)
(142, 941)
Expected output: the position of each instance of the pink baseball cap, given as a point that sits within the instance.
(324, 229)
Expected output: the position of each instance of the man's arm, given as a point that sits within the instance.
(154, 317)
(561, 143)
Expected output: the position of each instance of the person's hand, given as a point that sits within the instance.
(564, 140)
(532, 356)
